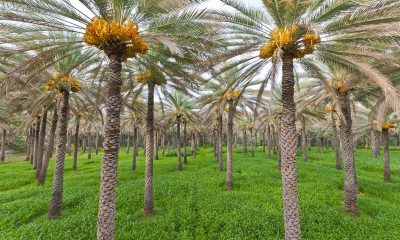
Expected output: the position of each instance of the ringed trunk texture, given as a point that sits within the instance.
(56, 194)
(109, 168)
(346, 135)
(49, 151)
(135, 147)
(148, 183)
(336, 143)
(219, 144)
(42, 139)
(229, 152)
(288, 143)
(178, 141)
(184, 143)
(385, 140)
(76, 143)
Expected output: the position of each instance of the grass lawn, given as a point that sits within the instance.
(193, 204)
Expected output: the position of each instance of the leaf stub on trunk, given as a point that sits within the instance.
(288, 144)
(108, 183)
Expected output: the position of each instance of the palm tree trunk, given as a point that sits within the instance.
(69, 144)
(97, 143)
(32, 145)
(156, 145)
(178, 141)
(263, 140)
(109, 168)
(84, 144)
(49, 151)
(336, 143)
(251, 142)
(42, 138)
(89, 141)
(346, 135)
(3, 146)
(56, 194)
(193, 145)
(28, 145)
(288, 143)
(184, 143)
(148, 187)
(244, 142)
(76, 142)
(128, 144)
(269, 139)
(37, 143)
(229, 152)
(385, 140)
(304, 140)
(163, 144)
(375, 144)
(219, 143)
(135, 147)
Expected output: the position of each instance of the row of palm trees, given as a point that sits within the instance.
(115, 49)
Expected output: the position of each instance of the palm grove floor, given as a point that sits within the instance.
(194, 204)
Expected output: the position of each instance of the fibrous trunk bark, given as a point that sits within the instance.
(385, 140)
(229, 152)
(288, 143)
(49, 151)
(76, 142)
(56, 194)
(148, 186)
(346, 136)
(109, 168)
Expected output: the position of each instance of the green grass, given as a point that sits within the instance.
(193, 204)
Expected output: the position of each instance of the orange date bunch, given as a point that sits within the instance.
(112, 36)
(63, 83)
(288, 40)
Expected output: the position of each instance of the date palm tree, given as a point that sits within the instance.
(295, 30)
